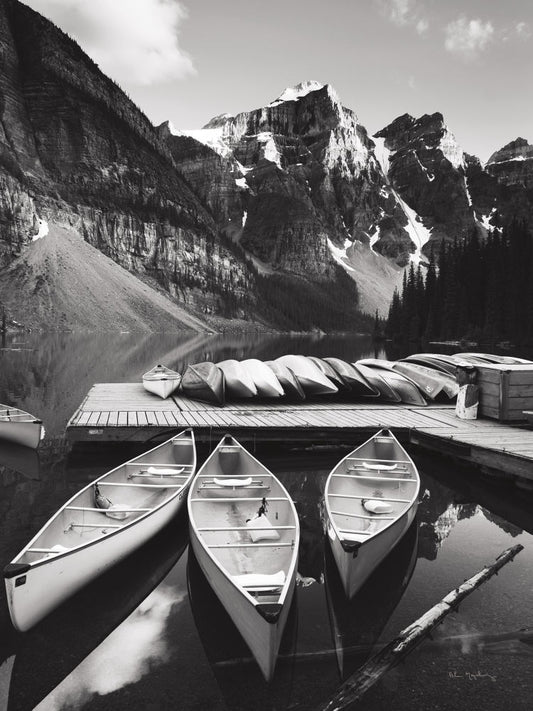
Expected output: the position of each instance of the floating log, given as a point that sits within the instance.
(354, 688)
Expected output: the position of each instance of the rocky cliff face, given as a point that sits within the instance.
(427, 168)
(76, 150)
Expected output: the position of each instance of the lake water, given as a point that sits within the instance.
(151, 634)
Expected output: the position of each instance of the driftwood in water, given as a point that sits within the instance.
(364, 678)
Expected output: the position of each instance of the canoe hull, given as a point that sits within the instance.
(355, 570)
(263, 638)
(47, 586)
(29, 434)
(163, 388)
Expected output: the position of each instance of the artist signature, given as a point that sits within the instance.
(471, 676)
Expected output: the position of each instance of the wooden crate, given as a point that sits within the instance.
(505, 391)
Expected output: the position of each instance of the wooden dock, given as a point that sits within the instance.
(126, 412)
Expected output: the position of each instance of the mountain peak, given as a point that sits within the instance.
(293, 93)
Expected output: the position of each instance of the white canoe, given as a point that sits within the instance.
(310, 377)
(20, 427)
(161, 381)
(82, 539)
(371, 499)
(263, 377)
(248, 557)
(238, 380)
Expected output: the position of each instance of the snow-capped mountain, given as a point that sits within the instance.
(291, 198)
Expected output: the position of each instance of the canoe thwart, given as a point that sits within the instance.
(376, 517)
(361, 498)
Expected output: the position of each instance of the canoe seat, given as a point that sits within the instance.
(261, 529)
(259, 581)
(160, 472)
(233, 483)
(385, 467)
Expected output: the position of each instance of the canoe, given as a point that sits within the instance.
(20, 427)
(161, 381)
(491, 358)
(357, 624)
(205, 382)
(444, 363)
(288, 381)
(263, 378)
(239, 384)
(330, 373)
(310, 377)
(376, 379)
(244, 532)
(406, 388)
(371, 499)
(353, 377)
(432, 382)
(114, 600)
(99, 526)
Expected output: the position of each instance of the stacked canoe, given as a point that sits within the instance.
(416, 380)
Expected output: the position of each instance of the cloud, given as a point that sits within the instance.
(522, 30)
(404, 13)
(468, 38)
(133, 41)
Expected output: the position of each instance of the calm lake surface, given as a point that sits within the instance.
(150, 634)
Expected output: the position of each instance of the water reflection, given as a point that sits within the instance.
(86, 623)
(356, 624)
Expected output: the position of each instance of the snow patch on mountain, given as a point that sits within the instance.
(211, 137)
(293, 93)
(270, 151)
(451, 150)
(382, 154)
(43, 230)
(417, 231)
(340, 254)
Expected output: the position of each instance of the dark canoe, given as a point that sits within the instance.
(379, 383)
(353, 378)
(408, 389)
(432, 382)
(205, 382)
(443, 363)
(288, 381)
(330, 372)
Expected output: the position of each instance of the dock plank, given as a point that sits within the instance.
(110, 411)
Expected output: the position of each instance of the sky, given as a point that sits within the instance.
(190, 60)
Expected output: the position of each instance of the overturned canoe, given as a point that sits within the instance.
(97, 527)
(355, 380)
(245, 533)
(205, 382)
(310, 377)
(288, 381)
(371, 499)
(376, 379)
(330, 373)
(20, 427)
(161, 381)
(432, 382)
(407, 389)
(265, 381)
(239, 384)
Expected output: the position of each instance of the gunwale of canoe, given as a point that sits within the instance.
(78, 500)
(20, 427)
